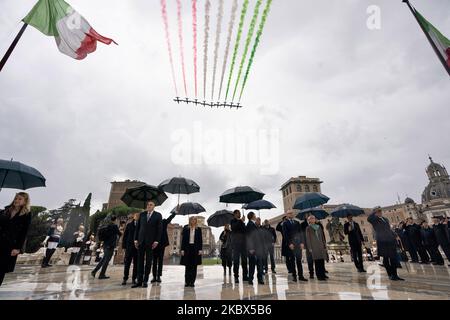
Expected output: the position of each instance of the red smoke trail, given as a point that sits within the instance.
(169, 47)
(180, 37)
(194, 27)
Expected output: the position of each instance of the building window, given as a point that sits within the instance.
(362, 222)
(307, 188)
(299, 188)
(364, 230)
(366, 239)
(315, 189)
(290, 190)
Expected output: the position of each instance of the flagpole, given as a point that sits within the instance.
(433, 45)
(12, 46)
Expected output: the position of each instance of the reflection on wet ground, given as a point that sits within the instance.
(62, 282)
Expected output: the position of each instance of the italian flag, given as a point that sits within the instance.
(439, 40)
(73, 34)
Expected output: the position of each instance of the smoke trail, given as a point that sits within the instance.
(227, 48)
(217, 45)
(251, 31)
(205, 45)
(194, 27)
(169, 47)
(255, 46)
(236, 46)
(180, 38)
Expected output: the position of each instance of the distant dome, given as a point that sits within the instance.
(408, 200)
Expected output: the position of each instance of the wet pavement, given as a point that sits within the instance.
(63, 282)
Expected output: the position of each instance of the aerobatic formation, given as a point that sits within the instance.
(226, 74)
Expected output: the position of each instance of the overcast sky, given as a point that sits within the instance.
(361, 109)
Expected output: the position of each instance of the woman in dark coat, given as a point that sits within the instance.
(191, 251)
(226, 250)
(14, 223)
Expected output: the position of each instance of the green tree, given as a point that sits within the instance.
(101, 216)
(40, 222)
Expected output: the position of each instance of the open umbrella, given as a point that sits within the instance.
(188, 208)
(316, 212)
(16, 175)
(220, 218)
(138, 197)
(259, 205)
(345, 209)
(310, 200)
(179, 185)
(241, 195)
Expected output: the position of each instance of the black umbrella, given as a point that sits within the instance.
(179, 185)
(343, 210)
(15, 175)
(316, 212)
(138, 197)
(241, 195)
(220, 218)
(188, 208)
(310, 200)
(259, 205)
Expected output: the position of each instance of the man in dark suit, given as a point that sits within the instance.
(284, 245)
(131, 253)
(147, 237)
(158, 255)
(296, 243)
(255, 248)
(356, 240)
(442, 238)
(238, 244)
(386, 242)
(271, 239)
(415, 244)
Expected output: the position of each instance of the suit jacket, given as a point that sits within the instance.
(413, 235)
(190, 255)
(164, 237)
(128, 236)
(386, 238)
(238, 234)
(293, 233)
(113, 235)
(284, 245)
(150, 231)
(441, 234)
(355, 236)
(255, 238)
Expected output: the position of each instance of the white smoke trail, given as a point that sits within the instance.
(217, 44)
(205, 45)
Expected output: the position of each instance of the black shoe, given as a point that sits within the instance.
(326, 271)
(392, 278)
(158, 279)
(144, 285)
(133, 282)
(250, 282)
(260, 282)
(322, 279)
(397, 278)
(186, 285)
(103, 277)
(236, 280)
(273, 271)
(124, 282)
(294, 278)
(311, 276)
(192, 285)
(153, 280)
(137, 285)
(93, 274)
(302, 278)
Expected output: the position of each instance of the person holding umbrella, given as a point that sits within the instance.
(386, 242)
(238, 242)
(356, 241)
(226, 251)
(191, 251)
(15, 220)
(147, 238)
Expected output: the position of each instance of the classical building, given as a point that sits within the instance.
(296, 187)
(118, 188)
(436, 196)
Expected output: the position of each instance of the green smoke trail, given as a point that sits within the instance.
(251, 31)
(255, 46)
(236, 46)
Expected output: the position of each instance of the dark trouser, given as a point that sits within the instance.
(423, 254)
(357, 257)
(390, 263)
(131, 255)
(310, 261)
(190, 273)
(73, 257)
(287, 260)
(435, 255)
(271, 254)
(2, 277)
(48, 256)
(412, 249)
(446, 249)
(239, 253)
(255, 261)
(158, 258)
(295, 258)
(320, 268)
(107, 255)
(145, 254)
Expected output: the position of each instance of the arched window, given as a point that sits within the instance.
(315, 189)
(307, 188)
(299, 188)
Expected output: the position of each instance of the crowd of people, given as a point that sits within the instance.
(246, 247)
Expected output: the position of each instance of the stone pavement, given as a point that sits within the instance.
(62, 282)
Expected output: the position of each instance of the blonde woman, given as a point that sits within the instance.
(15, 220)
(52, 241)
(191, 251)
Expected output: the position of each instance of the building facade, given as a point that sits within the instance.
(436, 195)
(118, 188)
(296, 187)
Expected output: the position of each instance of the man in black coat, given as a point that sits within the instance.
(131, 254)
(147, 237)
(356, 240)
(415, 242)
(431, 244)
(442, 238)
(271, 239)
(238, 243)
(284, 245)
(111, 234)
(296, 243)
(386, 242)
(255, 247)
(158, 255)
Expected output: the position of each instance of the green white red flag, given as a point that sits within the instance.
(73, 34)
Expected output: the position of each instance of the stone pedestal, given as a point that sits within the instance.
(336, 247)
